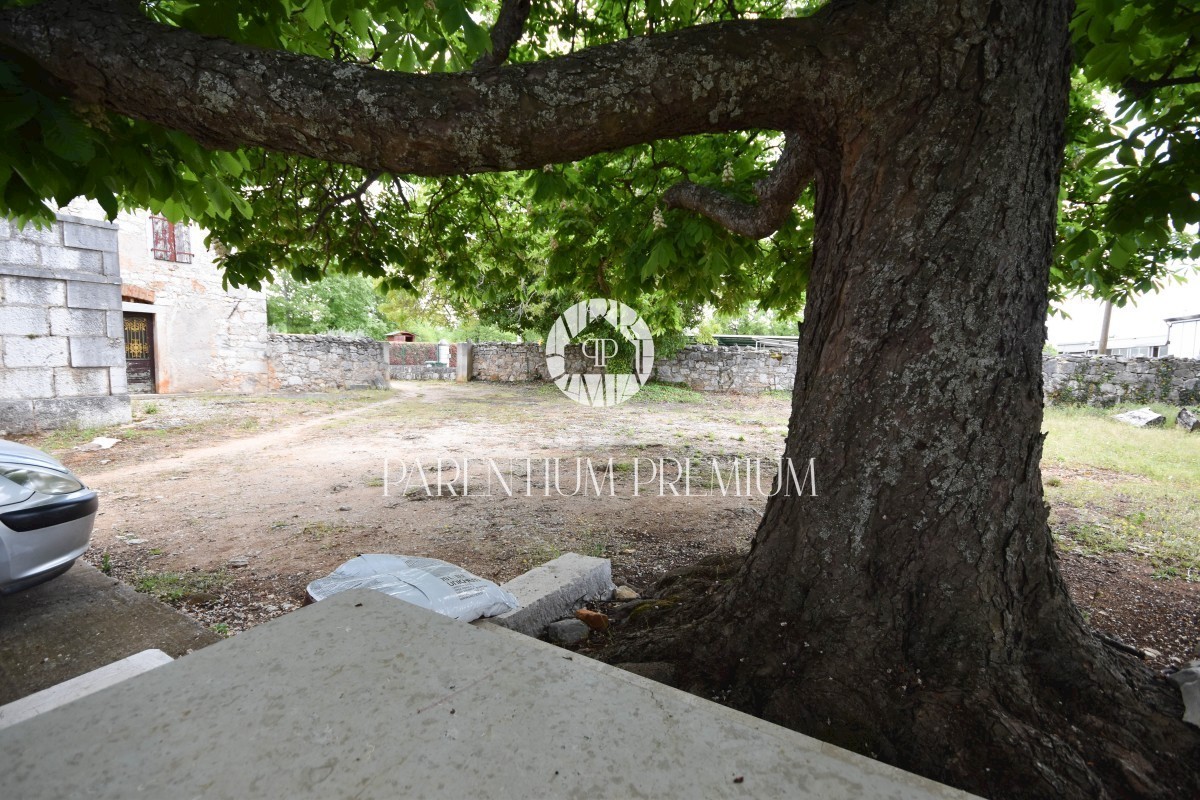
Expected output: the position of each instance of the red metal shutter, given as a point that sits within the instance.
(163, 239)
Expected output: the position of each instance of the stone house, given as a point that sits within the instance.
(91, 311)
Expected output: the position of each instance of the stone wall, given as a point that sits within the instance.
(702, 367)
(1066, 379)
(62, 356)
(729, 369)
(422, 372)
(1105, 381)
(303, 363)
(508, 362)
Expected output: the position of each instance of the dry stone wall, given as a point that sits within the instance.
(1108, 380)
(306, 363)
(1066, 379)
(729, 369)
(704, 368)
(422, 372)
(508, 362)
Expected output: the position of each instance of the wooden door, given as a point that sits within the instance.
(139, 353)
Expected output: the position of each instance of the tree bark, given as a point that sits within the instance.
(706, 79)
(913, 610)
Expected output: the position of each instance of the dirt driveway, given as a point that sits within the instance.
(232, 523)
(227, 507)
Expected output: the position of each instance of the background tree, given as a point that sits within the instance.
(343, 303)
(914, 610)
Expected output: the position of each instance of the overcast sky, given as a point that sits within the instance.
(1145, 319)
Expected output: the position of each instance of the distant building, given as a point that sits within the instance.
(91, 311)
(1165, 323)
(401, 336)
(183, 332)
(758, 342)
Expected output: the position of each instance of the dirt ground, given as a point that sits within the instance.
(228, 507)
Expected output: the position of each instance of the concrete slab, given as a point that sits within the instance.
(554, 590)
(79, 622)
(85, 684)
(366, 696)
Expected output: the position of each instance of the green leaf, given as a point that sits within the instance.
(66, 137)
(314, 14)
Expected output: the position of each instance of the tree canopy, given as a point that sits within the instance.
(609, 223)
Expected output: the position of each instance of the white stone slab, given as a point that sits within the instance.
(1141, 418)
(555, 590)
(366, 696)
(81, 686)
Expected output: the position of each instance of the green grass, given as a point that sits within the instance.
(655, 392)
(172, 587)
(66, 438)
(1120, 489)
(1079, 436)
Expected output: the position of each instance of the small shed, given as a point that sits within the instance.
(401, 336)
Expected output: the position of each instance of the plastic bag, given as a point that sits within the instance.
(427, 582)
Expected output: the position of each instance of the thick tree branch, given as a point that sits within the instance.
(355, 194)
(510, 24)
(729, 76)
(776, 195)
(1140, 89)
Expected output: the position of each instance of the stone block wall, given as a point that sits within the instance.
(305, 363)
(62, 352)
(1108, 380)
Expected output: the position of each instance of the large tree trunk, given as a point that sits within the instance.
(914, 610)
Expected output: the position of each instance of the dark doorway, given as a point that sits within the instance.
(139, 353)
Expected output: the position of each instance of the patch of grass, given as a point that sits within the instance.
(539, 553)
(66, 438)
(150, 409)
(173, 587)
(656, 392)
(1090, 437)
(220, 628)
(1124, 489)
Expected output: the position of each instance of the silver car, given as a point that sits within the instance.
(46, 517)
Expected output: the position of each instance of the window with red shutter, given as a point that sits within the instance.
(170, 242)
